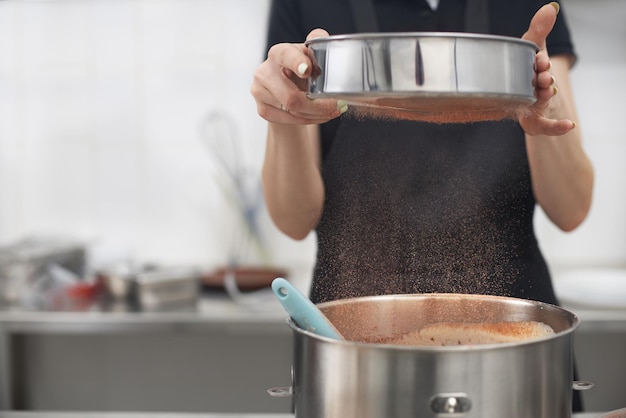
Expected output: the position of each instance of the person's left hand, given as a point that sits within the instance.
(537, 119)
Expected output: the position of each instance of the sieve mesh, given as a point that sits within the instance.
(439, 109)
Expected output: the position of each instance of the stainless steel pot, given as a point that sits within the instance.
(420, 75)
(338, 379)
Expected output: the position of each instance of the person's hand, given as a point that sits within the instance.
(538, 118)
(280, 83)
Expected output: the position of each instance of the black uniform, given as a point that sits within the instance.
(414, 207)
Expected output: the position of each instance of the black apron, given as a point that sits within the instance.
(476, 16)
(415, 207)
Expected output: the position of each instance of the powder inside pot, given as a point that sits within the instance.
(452, 334)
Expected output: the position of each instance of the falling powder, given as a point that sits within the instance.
(421, 212)
(439, 109)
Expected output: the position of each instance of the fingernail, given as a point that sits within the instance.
(555, 89)
(549, 64)
(573, 124)
(342, 106)
(553, 79)
(302, 68)
(556, 6)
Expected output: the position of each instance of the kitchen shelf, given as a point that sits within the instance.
(212, 311)
(170, 415)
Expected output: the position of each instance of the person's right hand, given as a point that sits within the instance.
(280, 83)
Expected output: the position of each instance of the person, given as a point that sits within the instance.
(402, 206)
(413, 207)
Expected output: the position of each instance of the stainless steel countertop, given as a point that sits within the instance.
(134, 415)
(256, 311)
(214, 310)
(260, 312)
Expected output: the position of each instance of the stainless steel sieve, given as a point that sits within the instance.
(441, 76)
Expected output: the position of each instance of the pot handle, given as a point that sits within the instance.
(280, 392)
(451, 404)
(582, 385)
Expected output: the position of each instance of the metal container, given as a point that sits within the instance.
(119, 280)
(449, 76)
(23, 261)
(338, 379)
(166, 287)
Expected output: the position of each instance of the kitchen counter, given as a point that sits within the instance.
(136, 415)
(253, 315)
(215, 309)
(167, 415)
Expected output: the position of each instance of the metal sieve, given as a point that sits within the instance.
(431, 76)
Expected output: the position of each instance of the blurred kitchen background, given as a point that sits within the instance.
(109, 115)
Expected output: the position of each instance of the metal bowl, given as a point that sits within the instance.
(436, 76)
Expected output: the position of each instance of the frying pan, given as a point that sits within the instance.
(430, 76)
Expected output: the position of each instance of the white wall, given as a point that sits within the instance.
(101, 111)
(599, 81)
(101, 104)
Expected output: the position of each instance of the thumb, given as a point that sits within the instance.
(316, 33)
(541, 24)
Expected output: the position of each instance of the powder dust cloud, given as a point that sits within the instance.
(421, 246)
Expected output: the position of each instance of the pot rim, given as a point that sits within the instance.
(572, 317)
(420, 35)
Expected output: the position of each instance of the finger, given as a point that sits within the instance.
(544, 126)
(316, 110)
(303, 109)
(542, 62)
(545, 80)
(543, 96)
(279, 91)
(534, 123)
(302, 106)
(322, 108)
(270, 87)
(292, 57)
(317, 33)
(541, 24)
(273, 114)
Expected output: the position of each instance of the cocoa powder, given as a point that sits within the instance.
(452, 334)
(438, 109)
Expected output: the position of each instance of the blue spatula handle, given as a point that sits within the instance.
(304, 312)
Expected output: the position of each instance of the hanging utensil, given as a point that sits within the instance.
(241, 187)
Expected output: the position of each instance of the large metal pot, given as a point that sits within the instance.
(338, 379)
(447, 77)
